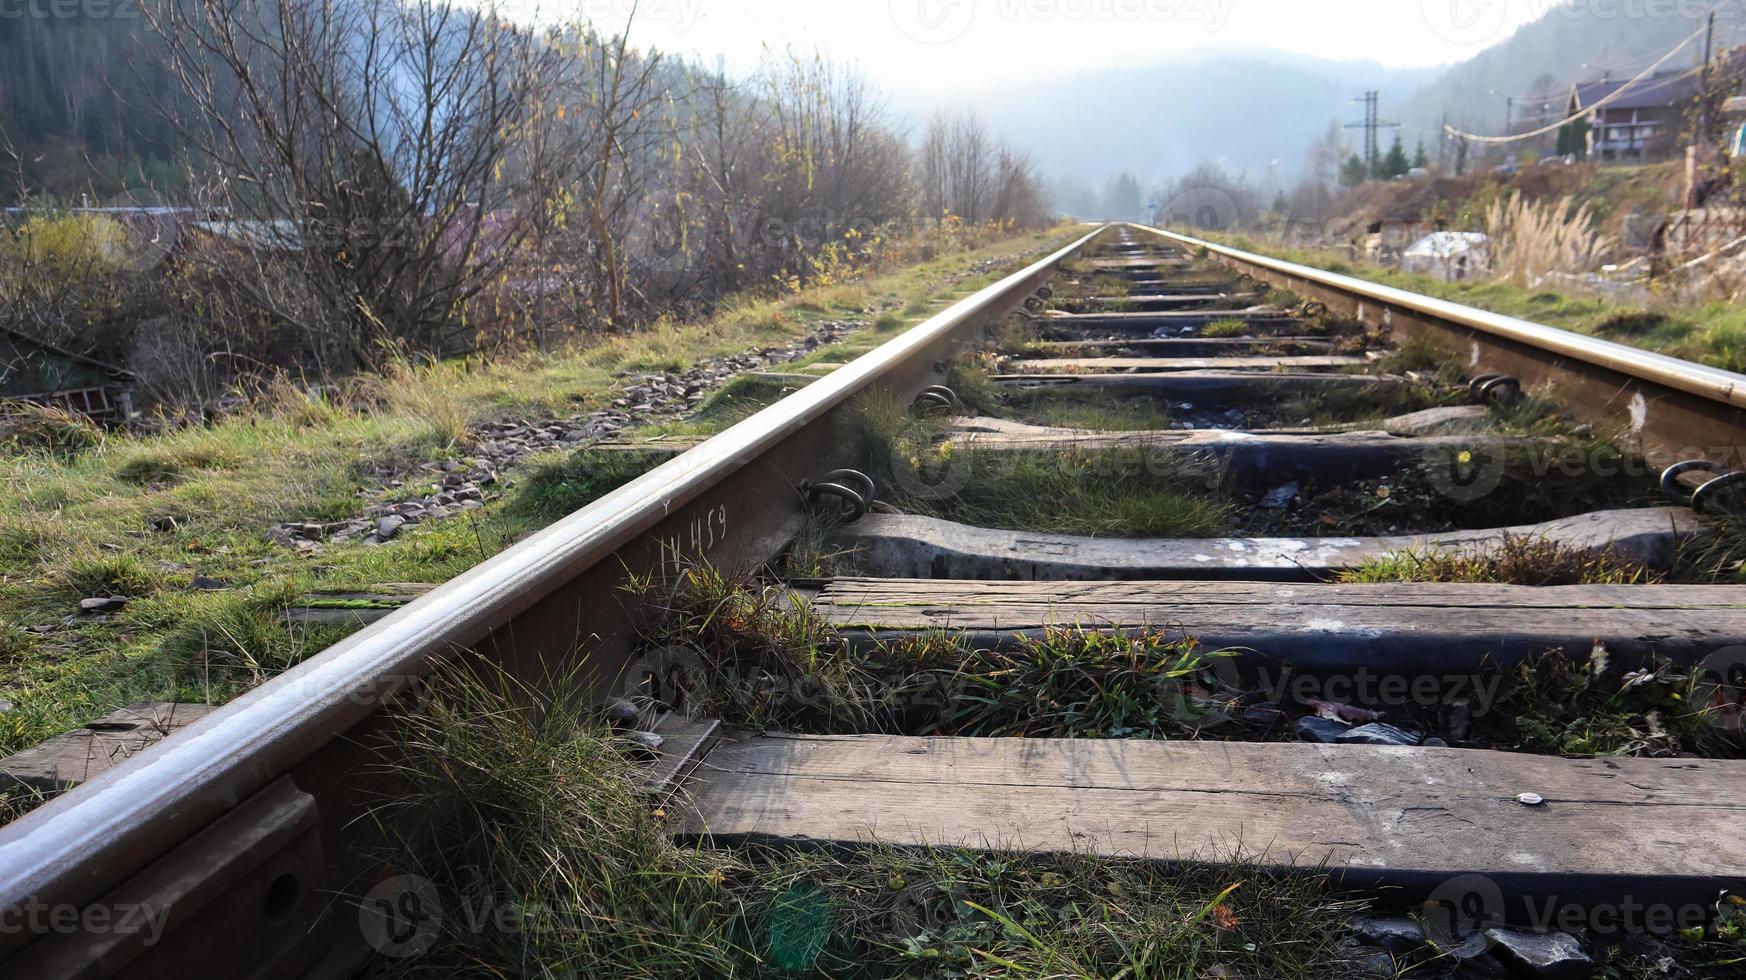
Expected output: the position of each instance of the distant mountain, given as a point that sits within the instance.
(1241, 111)
(1256, 111)
(1244, 108)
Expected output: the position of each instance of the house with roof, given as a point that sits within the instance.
(1650, 121)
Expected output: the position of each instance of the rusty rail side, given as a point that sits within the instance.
(248, 826)
(1665, 408)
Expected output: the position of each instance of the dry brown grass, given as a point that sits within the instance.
(1532, 239)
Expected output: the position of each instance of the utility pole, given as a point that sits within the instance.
(1371, 125)
(1694, 154)
(1703, 135)
(1443, 147)
(1509, 115)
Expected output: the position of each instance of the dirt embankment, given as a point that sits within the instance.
(1622, 198)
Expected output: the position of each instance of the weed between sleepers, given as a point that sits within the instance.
(1515, 561)
(920, 474)
(543, 860)
(1139, 493)
(756, 657)
(540, 858)
(1716, 557)
(756, 660)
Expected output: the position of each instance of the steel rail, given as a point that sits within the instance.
(83, 846)
(1678, 408)
(1697, 379)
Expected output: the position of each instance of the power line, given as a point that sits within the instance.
(1732, 27)
(1371, 124)
(1653, 85)
(1614, 96)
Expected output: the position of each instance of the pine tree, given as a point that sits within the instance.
(1421, 159)
(1573, 139)
(1396, 163)
(1355, 172)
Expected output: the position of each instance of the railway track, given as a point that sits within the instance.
(1265, 443)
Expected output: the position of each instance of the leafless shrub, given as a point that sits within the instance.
(356, 151)
(966, 172)
(375, 180)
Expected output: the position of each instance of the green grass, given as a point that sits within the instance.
(1219, 329)
(1581, 705)
(1518, 561)
(174, 643)
(1104, 494)
(1086, 410)
(77, 514)
(1095, 494)
(534, 817)
(758, 661)
(543, 859)
(1712, 333)
(1066, 408)
(753, 652)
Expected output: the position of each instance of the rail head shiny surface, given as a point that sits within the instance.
(60, 851)
(1711, 383)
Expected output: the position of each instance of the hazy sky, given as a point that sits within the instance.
(937, 46)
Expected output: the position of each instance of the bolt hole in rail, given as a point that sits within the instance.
(236, 847)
